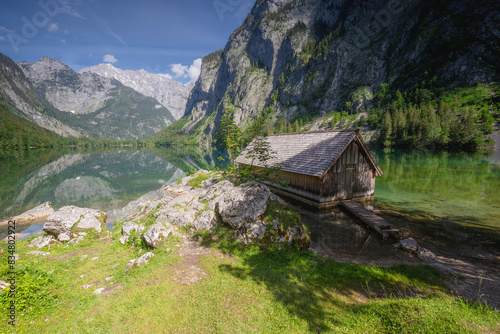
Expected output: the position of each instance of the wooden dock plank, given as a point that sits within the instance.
(371, 219)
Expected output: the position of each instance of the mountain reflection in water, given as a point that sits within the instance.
(450, 199)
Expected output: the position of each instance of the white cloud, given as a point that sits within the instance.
(109, 59)
(179, 70)
(194, 70)
(182, 71)
(66, 31)
(53, 27)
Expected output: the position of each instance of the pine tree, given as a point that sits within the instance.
(386, 126)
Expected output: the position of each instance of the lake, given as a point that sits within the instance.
(451, 198)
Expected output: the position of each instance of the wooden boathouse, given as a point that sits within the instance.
(320, 168)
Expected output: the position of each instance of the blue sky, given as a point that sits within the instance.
(159, 36)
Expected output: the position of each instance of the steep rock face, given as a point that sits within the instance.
(22, 99)
(65, 89)
(171, 94)
(313, 55)
(100, 107)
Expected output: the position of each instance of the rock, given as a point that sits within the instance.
(4, 284)
(258, 229)
(196, 206)
(76, 240)
(37, 213)
(90, 219)
(207, 220)
(426, 255)
(447, 271)
(124, 239)
(176, 216)
(409, 245)
(94, 258)
(128, 227)
(36, 253)
(275, 223)
(276, 198)
(60, 222)
(242, 205)
(156, 233)
(98, 291)
(178, 189)
(138, 262)
(216, 190)
(140, 207)
(86, 286)
(64, 237)
(83, 257)
(108, 278)
(41, 241)
(184, 199)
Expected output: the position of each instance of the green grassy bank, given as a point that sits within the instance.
(227, 288)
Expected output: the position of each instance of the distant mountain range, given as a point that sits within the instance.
(74, 104)
(308, 64)
(18, 94)
(170, 93)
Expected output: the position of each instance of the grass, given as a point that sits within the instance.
(200, 177)
(243, 289)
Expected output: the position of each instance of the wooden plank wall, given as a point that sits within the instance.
(303, 185)
(350, 177)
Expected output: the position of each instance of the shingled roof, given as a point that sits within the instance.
(309, 153)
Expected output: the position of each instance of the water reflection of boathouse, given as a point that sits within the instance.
(336, 231)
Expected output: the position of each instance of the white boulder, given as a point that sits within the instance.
(60, 222)
(207, 220)
(156, 233)
(242, 205)
(139, 262)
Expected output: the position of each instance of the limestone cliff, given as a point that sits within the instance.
(310, 56)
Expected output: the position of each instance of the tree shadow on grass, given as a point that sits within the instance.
(319, 290)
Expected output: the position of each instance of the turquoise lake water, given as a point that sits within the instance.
(453, 197)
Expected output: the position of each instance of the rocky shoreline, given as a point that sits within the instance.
(202, 203)
(194, 208)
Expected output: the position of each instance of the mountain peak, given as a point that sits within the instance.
(52, 63)
(170, 93)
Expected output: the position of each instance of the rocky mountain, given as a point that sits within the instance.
(171, 94)
(18, 94)
(311, 56)
(95, 106)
